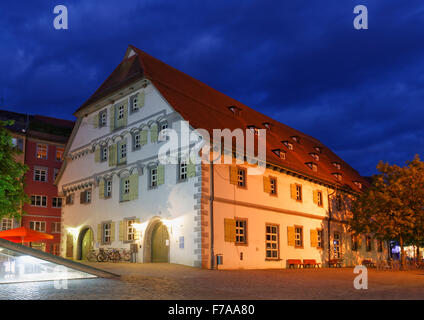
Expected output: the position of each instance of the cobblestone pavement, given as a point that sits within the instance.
(169, 281)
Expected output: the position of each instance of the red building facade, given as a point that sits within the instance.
(43, 154)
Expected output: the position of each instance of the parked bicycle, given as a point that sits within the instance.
(92, 256)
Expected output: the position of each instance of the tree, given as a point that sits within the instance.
(12, 174)
(392, 208)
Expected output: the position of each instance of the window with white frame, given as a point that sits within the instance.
(42, 150)
(107, 232)
(103, 153)
(136, 142)
(38, 201)
(40, 174)
(241, 231)
(126, 186)
(70, 198)
(134, 103)
(153, 177)
(123, 151)
(108, 188)
(38, 226)
(182, 170)
(88, 196)
(6, 223)
(273, 185)
(60, 151)
(337, 245)
(271, 241)
(57, 202)
(55, 227)
(298, 237)
(121, 112)
(241, 177)
(130, 230)
(103, 118)
(320, 242)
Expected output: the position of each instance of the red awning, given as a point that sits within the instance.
(24, 234)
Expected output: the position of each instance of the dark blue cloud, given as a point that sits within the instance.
(301, 62)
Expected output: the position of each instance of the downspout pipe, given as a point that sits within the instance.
(330, 209)
(211, 183)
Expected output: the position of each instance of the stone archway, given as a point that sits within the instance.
(155, 226)
(84, 242)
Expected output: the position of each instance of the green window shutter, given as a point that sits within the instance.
(97, 155)
(124, 196)
(112, 232)
(125, 120)
(101, 189)
(143, 137)
(140, 99)
(161, 174)
(154, 132)
(112, 118)
(112, 155)
(133, 187)
(121, 230)
(96, 120)
(191, 170)
(99, 232)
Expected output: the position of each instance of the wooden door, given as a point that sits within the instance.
(87, 244)
(160, 244)
(69, 246)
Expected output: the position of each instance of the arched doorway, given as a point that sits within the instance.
(85, 243)
(156, 242)
(160, 243)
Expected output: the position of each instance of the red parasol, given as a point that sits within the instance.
(23, 234)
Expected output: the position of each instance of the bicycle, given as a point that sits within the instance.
(102, 256)
(126, 254)
(113, 255)
(92, 256)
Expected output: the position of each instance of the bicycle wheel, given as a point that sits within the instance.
(115, 256)
(127, 256)
(91, 257)
(102, 257)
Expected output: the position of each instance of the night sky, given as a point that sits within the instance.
(360, 92)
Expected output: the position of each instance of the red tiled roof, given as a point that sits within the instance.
(207, 108)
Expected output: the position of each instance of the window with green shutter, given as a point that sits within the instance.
(125, 189)
(161, 174)
(121, 114)
(112, 155)
(143, 137)
(133, 186)
(154, 133)
(122, 151)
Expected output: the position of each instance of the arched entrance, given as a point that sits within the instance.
(85, 243)
(156, 242)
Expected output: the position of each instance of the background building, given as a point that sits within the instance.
(43, 141)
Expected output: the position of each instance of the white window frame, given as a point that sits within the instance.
(41, 146)
(136, 141)
(182, 170)
(108, 188)
(55, 227)
(126, 186)
(298, 237)
(153, 177)
(134, 103)
(272, 243)
(121, 111)
(103, 118)
(6, 224)
(38, 225)
(39, 199)
(55, 202)
(42, 172)
(123, 150)
(129, 230)
(241, 177)
(106, 232)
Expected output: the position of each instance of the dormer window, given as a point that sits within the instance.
(235, 110)
(289, 145)
(267, 125)
(315, 156)
(280, 153)
(253, 129)
(338, 176)
(337, 165)
(313, 166)
(296, 138)
(318, 149)
(358, 184)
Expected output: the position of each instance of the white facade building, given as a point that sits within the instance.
(199, 215)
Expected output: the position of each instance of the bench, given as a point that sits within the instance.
(368, 263)
(294, 263)
(334, 263)
(308, 263)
